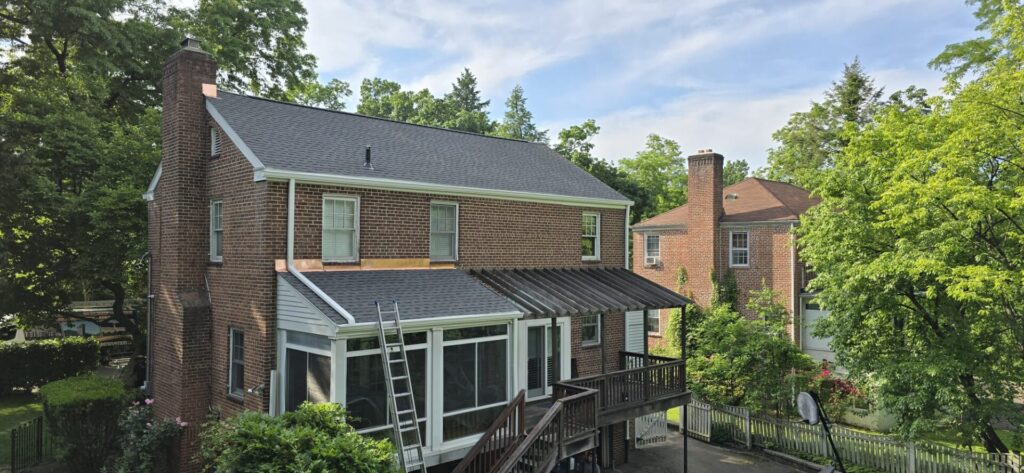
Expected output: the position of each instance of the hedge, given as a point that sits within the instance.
(26, 365)
(82, 414)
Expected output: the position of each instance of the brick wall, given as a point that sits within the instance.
(492, 233)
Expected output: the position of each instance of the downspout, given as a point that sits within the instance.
(794, 281)
(290, 261)
(146, 385)
(626, 240)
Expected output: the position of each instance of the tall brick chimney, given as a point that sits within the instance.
(179, 242)
(705, 205)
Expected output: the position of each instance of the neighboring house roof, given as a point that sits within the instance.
(285, 137)
(421, 293)
(751, 200)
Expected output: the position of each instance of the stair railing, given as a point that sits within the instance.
(504, 434)
(572, 416)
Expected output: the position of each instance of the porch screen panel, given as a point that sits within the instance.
(475, 380)
(366, 389)
(308, 378)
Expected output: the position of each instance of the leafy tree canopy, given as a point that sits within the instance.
(735, 171)
(918, 247)
(660, 168)
(80, 131)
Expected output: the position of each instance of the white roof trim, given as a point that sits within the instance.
(451, 321)
(148, 195)
(237, 140)
(428, 188)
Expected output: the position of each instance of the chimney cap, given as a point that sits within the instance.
(190, 43)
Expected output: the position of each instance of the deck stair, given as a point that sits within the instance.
(401, 400)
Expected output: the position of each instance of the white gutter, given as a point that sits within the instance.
(291, 261)
(792, 294)
(428, 188)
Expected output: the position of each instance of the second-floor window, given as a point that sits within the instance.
(591, 244)
(654, 321)
(444, 231)
(652, 250)
(340, 229)
(739, 249)
(216, 231)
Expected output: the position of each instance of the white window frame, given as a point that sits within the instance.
(455, 243)
(647, 254)
(423, 416)
(656, 315)
(216, 230)
(233, 391)
(509, 377)
(733, 249)
(583, 324)
(215, 144)
(355, 228)
(597, 237)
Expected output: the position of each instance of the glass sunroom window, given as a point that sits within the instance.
(475, 381)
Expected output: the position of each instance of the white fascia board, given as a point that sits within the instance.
(654, 228)
(428, 188)
(257, 165)
(454, 321)
(760, 222)
(149, 194)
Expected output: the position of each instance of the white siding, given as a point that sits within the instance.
(635, 331)
(292, 307)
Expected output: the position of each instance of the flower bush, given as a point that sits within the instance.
(837, 394)
(144, 441)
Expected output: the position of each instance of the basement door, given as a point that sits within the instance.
(650, 429)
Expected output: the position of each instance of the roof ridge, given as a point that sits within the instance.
(359, 115)
(761, 182)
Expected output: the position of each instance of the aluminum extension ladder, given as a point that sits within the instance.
(401, 402)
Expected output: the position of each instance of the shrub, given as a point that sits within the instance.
(26, 365)
(82, 415)
(314, 438)
(144, 442)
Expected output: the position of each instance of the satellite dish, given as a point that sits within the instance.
(807, 406)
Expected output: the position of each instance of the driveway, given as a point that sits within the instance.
(704, 458)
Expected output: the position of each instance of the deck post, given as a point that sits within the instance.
(556, 358)
(682, 380)
(647, 357)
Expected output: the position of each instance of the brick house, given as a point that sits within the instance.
(275, 227)
(746, 228)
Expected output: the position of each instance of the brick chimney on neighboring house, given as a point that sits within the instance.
(179, 241)
(705, 207)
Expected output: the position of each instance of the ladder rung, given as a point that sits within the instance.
(407, 411)
(412, 447)
(410, 429)
(395, 360)
(399, 378)
(403, 394)
(393, 345)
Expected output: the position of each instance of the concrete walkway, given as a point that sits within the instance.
(704, 458)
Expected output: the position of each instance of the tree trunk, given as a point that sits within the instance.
(992, 442)
(131, 324)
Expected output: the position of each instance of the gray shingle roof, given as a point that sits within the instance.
(421, 293)
(297, 138)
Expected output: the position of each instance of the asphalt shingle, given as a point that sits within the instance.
(297, 138)
(421, 294)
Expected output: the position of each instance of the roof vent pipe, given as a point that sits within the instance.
(367, 163)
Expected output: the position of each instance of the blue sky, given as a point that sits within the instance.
(719, 74)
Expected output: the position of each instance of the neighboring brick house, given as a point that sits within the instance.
(274, 227)
(746, 228)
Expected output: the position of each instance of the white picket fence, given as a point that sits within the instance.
(876, 451)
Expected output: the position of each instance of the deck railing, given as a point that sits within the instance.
(636, 386)
(498, 441)
(636, 360)
(573, 416)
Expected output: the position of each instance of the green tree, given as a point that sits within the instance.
(735, 171)
(810, 141)
(385, 99)
(918, 247)
(80, 132)
(468, 110)
(660, 168)
(518, 121)
(575, 143)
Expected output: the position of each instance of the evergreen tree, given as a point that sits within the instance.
(518, 122)
(468, 111)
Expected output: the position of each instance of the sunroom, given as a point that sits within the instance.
(473, 339)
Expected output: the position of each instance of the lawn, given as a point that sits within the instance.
(13, 411)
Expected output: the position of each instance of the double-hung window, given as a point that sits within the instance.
(590, 328)
(652, 250)
(216, 231)
(739, 249)
(236, 365)
(444, 231)
(591, 243)
(340, 229)
(654, 321)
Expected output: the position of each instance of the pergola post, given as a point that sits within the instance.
(647, 358)
(682, 379)
(556, 358)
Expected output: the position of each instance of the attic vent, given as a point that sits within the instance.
(732, 196)
(214, 142)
